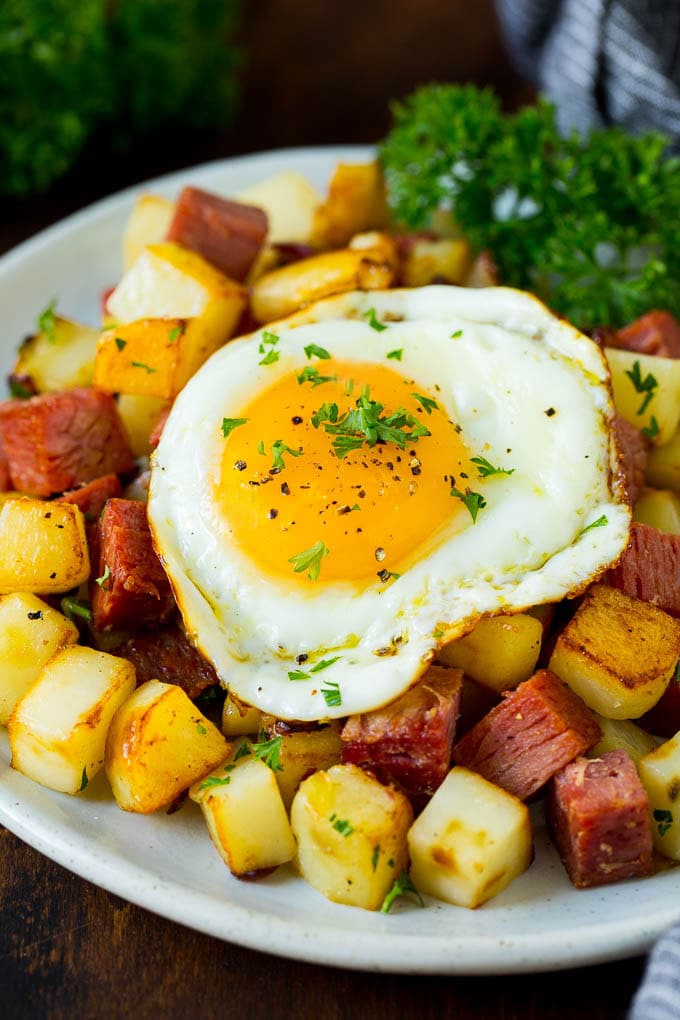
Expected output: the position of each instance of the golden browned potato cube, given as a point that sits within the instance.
(356, 202)
(617, 653)
(630, 372)
(377, 241)
(499, 653)
(351, 835)
(151, 358)
(158, 745)
(139, 415)
(427, 261)
(284, 290)
(660, 774)
(663, 469)
(148, 223)
(470, 842)
(60, 358)
(660, 508)
(43, 548)
(58, 729)
(245, 815)
(304, 753)
(290, 203)
(167, 281)
(239, 719)
(31, 632)
(624, 735)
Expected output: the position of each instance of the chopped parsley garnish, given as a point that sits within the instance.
(400, 887)
(83, 780)
(120, 343)
(229, 424)
(298, 674)
(200, 728)
(243, 751)
(261, 449)
(311, 375)
(457, 335)
(269, 752)
(373, 322)
(664, 820)
(646, 386)
(365, 423)
(266, 347)
(474, 501)
(17, 389)
(174, 333)
(46, 321)
(599, 523)
(652, 430)
(101, 581)
(427, 403)
(314, 351)
(324, 664)
(395, 355)
(76, 607)
(375, 856)
(309, 560)
(331, 694)
(147, 368)
(485, 468)
(215, 781)
(278, 450)
(341, 825)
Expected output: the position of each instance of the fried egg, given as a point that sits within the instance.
(341, 493)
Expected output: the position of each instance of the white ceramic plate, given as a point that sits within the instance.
(167, 863)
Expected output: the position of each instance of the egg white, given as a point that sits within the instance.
(512, 363)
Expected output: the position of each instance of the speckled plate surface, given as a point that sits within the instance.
(167, 863)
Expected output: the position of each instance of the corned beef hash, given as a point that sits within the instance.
(363, 581)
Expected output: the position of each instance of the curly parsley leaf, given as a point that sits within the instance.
(474, 501)
(278, 450)
(485, 468)
(269, 752)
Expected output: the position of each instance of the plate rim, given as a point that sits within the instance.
(289, 937)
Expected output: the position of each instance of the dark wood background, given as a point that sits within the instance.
(317, 73)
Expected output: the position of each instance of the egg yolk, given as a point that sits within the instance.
(290, 496)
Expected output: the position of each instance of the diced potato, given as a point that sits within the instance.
(239, 719)
(284, 290)
(377, 241)
(624, 735)
(436, 261)
(290, 203)
(351, 835)
(660, 775)
(499, 653)
(43, 548)
(356, 202)
(629, 398)
(167, 281)
(470, 842)
(158, 745)
(245, 815)
(57, 730)
(304, 753)
(660, 508)
(663, 469)
(59, 359)
(483, 272)
(617, 653)
(139, 415)
(148, 223)
(151, 358)
(31, 632)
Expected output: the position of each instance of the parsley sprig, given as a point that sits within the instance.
(645, 386)
(269, 751)
(400, 886)
(278, 450)
(485, 468)
(310, 560)
(267, 348)
(366, 423)
(474, 501)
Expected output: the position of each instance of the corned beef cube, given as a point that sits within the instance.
(59, 440)
(409, 741)
(599, 816)
(634, 448)
(130, 589)
(92, 497)
(654, 333)
(649, 569)
(167, 655)
(228, 234)
(536, 730)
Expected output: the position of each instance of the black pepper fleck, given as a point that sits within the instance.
(284, 489)
(550, 412)
(296, 419)
(272, 514)
(240, 465)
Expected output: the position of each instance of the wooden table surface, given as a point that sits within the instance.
(69, 949)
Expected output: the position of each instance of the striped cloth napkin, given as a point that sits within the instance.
(601, 61)
(658, 997)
